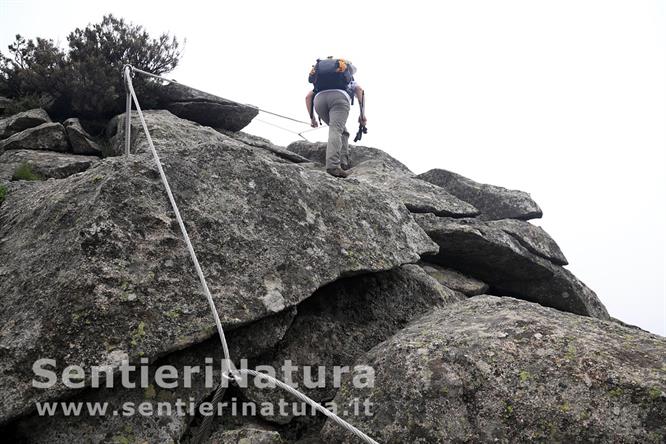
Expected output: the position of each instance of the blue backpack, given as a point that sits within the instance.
(332, 73)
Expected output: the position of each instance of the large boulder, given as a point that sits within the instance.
(494, 202)
(43, 164)
(206, 109)
(491, 251)
(104, 264)
(47, 137)
(22, 121)
(80, 140)
(378, 169)
(342, 321)
(502, 370)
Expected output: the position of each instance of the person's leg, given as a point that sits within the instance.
(338, 112)
(321, 107)
(345, 160)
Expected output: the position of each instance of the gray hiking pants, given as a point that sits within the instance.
(333, 108)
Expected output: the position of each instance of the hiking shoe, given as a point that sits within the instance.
(345, 166)
(337, 172)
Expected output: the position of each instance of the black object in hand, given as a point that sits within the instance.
(361, 130)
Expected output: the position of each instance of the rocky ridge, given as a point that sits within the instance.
(437, 282)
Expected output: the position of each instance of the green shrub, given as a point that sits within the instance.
(85, 80)
(30, 101)
(33, 66)
(3, 193)
(24, 172)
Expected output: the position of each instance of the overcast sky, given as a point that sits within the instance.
(563, 99)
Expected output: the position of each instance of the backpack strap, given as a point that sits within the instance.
(315, 74)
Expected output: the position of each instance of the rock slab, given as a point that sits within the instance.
(378, 169)
(486, 250)
(494, 202)
(206, 109)
(45, 137)
(44, 164)
(22, 121)
(493, 369)
(102, 258)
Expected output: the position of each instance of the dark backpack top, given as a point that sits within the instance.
(331, 74)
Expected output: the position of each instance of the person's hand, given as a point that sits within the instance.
(362, 120)
(313, 122)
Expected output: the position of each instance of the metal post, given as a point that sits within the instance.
(128, 111)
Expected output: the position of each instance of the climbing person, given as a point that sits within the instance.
(332, 97)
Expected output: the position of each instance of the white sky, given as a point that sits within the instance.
(563, 99)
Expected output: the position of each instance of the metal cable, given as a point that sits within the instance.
(207, 422)
(289, 130)
(140, 71)
(229, 371)
(190, 248)
(282, 128)
(312, 402)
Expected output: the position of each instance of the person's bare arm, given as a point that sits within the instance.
(308, 103)
(360, 96)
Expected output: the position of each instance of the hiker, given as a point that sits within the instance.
(332, 97)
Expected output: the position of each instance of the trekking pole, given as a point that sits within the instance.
(361, 127)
